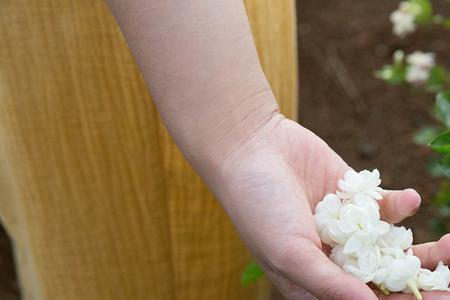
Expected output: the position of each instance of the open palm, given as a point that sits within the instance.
(273, 184)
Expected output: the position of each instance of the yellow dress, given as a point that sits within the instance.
(98, 201)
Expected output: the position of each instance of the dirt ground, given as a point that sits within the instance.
(368, 123)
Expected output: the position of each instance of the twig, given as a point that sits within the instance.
(344, 79)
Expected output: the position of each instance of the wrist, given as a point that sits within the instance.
(235, 138)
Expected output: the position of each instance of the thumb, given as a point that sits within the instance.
(398, 205)
(307, 266)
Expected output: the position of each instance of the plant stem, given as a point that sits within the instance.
(412, 285)
(383, 289)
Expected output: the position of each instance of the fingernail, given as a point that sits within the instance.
(406, 206)
(417, 206)
(415, 210)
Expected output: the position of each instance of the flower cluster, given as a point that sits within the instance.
(403, 19)
(367, 247)
(419, 67)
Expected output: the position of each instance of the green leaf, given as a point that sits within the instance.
(251, 273)
(393, 74)
(441, 143)
(436, 80)
(443, 196)
(424, 11)
(442, 107)
(426, 134)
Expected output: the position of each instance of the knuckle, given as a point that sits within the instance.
(329, 293)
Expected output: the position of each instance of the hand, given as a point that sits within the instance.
(270, 187)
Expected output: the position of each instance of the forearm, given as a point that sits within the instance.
(200, 63)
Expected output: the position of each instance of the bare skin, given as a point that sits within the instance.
(268, 172)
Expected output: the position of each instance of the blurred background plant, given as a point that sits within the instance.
(420, 71)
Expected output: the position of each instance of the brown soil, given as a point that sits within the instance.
(368, 123)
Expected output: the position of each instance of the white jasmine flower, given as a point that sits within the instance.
(403, 23)
(383, 270)
(351, 219)
(402, 272)
(338, 257)
(357, 228)
(417, 76)
(364, 183)
(364, 267)
(420, 65)
(367, 247)
(434, 281)
(395, 252)
(403, 18)
(327, 210)
(386, 264)
(363, 240)
(396, 237)
(365, 201)
(421, 59)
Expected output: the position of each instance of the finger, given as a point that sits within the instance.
(426, 296)
(398, 205)
(307, 266)
(435, 295)
(431, 253)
